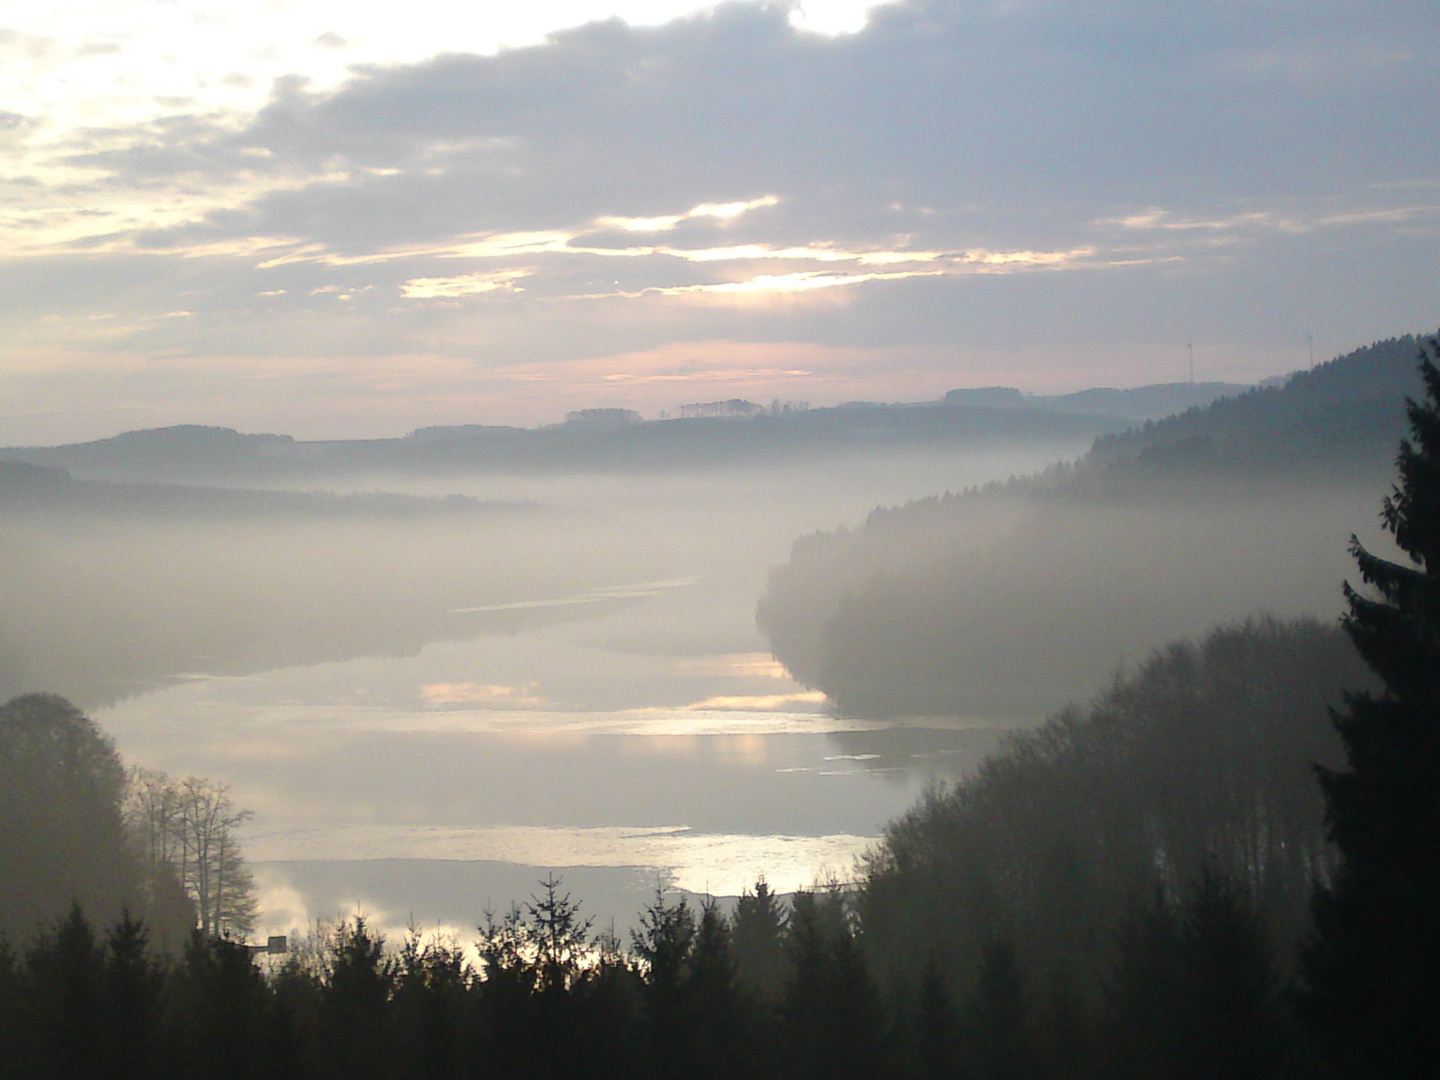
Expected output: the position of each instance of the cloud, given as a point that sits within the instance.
(470, 693)
(930, 102)
(727, 702)
(723, 211)
(463, 285)
(953, 176)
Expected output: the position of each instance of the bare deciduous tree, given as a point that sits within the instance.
(189, 824)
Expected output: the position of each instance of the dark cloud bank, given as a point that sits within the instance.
(991, 114)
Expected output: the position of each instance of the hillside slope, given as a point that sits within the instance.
(1013, 599)
(1202, 757)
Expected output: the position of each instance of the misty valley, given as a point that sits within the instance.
(558, 663)
(927, 740)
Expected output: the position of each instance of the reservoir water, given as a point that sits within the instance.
(625, 726)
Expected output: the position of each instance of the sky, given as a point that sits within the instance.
(354, 219)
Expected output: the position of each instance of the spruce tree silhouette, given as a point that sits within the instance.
(757, 940)
(10, 1002)
(690, 993)
(1144, 994)
(428, 1009)
(64, 1001)
(133, 983)
(997, 1020)
(936, 1025)
(1373, 965)
(665, 942)
(223, 1021)
(1233, 1023)
(718, 1020)
(832, 1017)
(354, 1004)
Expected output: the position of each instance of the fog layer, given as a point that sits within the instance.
(1017, 598)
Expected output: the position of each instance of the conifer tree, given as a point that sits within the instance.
(133, 982)
(428, 1008)
(1144, 994)
(718, 1020)
(689, 990)
(664, 943)
(1233, 1023)
(757, 939)
(998, 1026)
(534, 1013)
(10, 999)
(936, 1026)
(1373, 965)
(832, 1018)
(64, 1000)
(354, 1003)
(223, 1023)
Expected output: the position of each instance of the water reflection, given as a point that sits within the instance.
(370, 762)
(580, 688)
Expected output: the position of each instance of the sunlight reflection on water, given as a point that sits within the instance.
(623, 734)
(694, 861)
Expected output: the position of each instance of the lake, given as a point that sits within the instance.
(626, 728)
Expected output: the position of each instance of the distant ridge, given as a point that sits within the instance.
(1139, 403)
(1344, 415)
(714, 434)
(590, 441)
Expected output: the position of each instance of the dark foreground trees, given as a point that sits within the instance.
(63, 840)
(1199, 761)
(1373, 968)
(547, 1000)
(1195, 996)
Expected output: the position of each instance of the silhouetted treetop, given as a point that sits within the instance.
(1374, 995)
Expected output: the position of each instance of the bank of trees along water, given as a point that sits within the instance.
(1126, 892)
(1015, 599)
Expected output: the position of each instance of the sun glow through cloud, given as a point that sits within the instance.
(722, 211)
(463, 285)
(759, 701)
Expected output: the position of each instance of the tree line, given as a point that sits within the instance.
(779, 989)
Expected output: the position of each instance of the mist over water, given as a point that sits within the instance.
(571, 680)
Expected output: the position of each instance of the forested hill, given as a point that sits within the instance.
(1014, 599)
(1203, 757)
(1343, 416)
